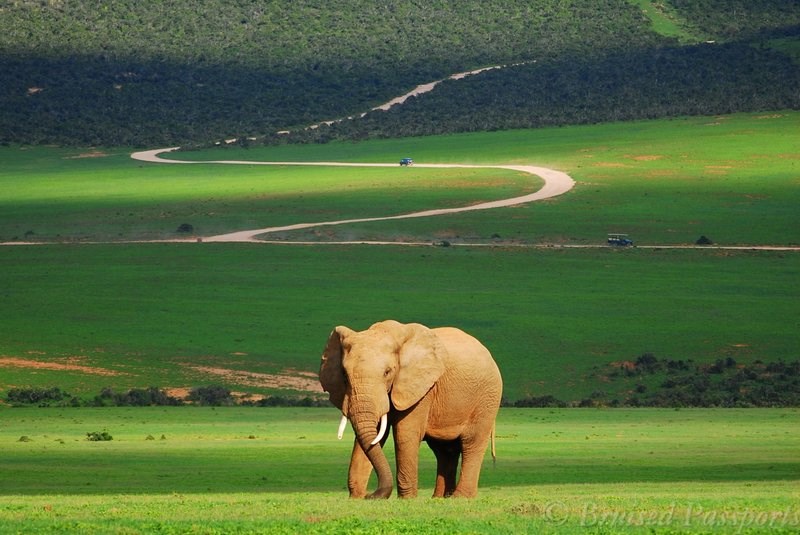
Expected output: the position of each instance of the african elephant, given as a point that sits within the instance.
(439, 385)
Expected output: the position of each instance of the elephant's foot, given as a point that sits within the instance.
(461, 493)
(410, 493)
(380, 494)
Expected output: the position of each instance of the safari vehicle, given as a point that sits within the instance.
(406, 161)
(620, 240)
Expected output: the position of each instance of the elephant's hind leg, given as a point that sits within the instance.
(447, 453)
(473, 451)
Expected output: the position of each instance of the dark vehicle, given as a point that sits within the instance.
(406, 161)
(620, 240)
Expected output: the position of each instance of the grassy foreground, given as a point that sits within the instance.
(241, 470)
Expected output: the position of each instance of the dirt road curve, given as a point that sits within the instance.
(556, 183)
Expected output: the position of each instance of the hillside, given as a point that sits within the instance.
(131, 73)
(672, 81)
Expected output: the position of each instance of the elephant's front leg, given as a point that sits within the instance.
(407, 453)
(360, 470)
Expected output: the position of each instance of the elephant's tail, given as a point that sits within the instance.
(494, 451)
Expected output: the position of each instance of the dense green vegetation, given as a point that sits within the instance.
(236, 470)
(737, 19)
(134, 73)
(666, 82)
(139, 74)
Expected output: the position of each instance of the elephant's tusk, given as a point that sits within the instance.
(342, 425)
(381, 431)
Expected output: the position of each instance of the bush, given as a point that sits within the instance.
(540, 401)
(214, 396)
(724, 383)
(136, 397)
(648, 363)
(98, 436)
(282, 401)
(38, 396)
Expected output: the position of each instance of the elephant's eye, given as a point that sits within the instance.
(387, 372)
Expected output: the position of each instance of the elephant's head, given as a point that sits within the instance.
(390, 365)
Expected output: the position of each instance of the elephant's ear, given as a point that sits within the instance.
(422, 358)
(331, 371)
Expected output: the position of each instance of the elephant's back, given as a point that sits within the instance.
(468, 394)
(464, 350)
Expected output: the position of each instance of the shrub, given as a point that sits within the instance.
(214, 395)
(37, 396)
(540, 401)
(98, 436)
(648, 363)
(136, 397)
(282, 401)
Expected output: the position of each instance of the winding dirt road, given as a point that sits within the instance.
(556, 183)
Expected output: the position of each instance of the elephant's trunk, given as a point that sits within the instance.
(365, 428)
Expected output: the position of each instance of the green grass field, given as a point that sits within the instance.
(153, 312)
(731, 178)
(554, 318)
(127, 315)
(55, 196)
(240, 470)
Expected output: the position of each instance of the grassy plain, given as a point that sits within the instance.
(73, 195)
(152, 313)
(731, 178)
(240, 470)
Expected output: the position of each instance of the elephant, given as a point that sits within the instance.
(439, 385)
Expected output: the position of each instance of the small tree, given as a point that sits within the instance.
(214, 395)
